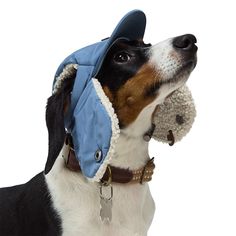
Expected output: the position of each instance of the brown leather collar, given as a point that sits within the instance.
(117, 175)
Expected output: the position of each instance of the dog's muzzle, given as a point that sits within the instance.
(186, 46)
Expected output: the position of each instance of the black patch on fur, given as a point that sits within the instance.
(152, 90)
(114, 74)
(55, 120)
(26, 210)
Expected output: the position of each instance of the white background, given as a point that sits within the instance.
(194, 186)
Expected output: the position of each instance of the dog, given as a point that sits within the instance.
(136, 77)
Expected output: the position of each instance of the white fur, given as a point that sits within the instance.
(165, 59)
(131, 149)
(167, 62)
(77, 200)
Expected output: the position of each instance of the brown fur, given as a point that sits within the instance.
(131, 98)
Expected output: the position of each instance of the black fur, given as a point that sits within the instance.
(153, 89)
(114, 73)
(55, 120)
(26, 210)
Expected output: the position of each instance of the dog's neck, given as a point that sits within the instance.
(131, 149)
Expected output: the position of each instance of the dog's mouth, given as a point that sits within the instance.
(185, 69)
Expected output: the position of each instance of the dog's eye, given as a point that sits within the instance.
(122, 57)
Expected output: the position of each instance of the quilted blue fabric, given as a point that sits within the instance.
(91, 125)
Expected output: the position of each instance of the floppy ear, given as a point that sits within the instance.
(56, 108)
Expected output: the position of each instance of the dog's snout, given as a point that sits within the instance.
(185, 42)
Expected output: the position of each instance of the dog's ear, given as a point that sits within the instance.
(57, 106)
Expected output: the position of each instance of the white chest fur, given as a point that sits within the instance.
(77, 202)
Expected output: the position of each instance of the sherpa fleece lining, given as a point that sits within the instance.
(114, 126)
(115, 130)
(66, 73)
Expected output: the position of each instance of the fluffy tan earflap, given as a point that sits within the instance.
(174, 118)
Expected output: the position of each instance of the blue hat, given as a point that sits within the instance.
(91, 120)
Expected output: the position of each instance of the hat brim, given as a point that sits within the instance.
(131, 27)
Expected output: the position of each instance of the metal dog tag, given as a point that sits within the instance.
(106, 210)
(106, 195)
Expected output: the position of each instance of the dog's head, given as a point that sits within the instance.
(135, 74)
(135, 77)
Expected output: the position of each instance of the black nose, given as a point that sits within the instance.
(185, 42)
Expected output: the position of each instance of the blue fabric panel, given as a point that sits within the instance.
(87, 119)
(85, 56)
(91, 130)
(82, 77)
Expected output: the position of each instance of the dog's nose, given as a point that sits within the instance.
(185, 42)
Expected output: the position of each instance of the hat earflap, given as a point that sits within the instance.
(173, 118)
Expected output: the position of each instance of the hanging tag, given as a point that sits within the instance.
(106, 210)
(106, 203)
